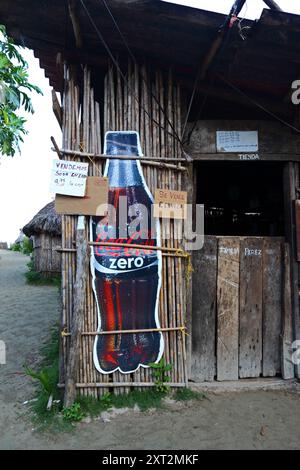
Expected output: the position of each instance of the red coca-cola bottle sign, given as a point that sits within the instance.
(126, 281)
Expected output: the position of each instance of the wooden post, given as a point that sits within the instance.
(56, 108)
(290, 184)
(190, 187)
(287, 367)
(217, 43)
(272, 5)
(73, 11)
(78, 312)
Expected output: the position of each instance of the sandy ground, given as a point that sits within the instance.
(247, 420)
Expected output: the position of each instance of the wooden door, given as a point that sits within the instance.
(239, 306)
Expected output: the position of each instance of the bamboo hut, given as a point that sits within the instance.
(45, 231)
(193, 91)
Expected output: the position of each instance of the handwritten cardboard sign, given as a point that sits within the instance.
(93, 203)
(170, 204)
(69, 178)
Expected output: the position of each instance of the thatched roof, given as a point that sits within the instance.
(20, 238)
(45, 221)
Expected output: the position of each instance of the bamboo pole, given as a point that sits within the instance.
(78, 317)
(67, 151)
(116, 332)
(137, 246)
(122, 384)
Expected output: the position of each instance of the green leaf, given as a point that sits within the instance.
(15, 94)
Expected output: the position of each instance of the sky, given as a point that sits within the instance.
(25, 178)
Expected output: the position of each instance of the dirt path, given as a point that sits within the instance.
(247, 420)
(26, 314)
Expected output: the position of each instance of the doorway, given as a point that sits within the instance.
(239, 276)
(242, 198)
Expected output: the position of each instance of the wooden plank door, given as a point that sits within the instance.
(272, 306)
(204, 311)
(242, 316)
(250, 349)
(228, 308)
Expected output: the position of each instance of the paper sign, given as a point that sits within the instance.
(170, 204)
(237, 141)
(93, 203)
(69, 178)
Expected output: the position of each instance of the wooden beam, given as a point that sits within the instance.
(297, 222)
(287, 367)
(73, 11)
(272, 5)
(56, 108)
(245, 157)
(284, 110)
(216, 44)
(291, 181)
(190, 186)
(56, 147)
(122, 384)
(78, 313)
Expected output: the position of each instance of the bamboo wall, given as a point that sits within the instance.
(146, 102)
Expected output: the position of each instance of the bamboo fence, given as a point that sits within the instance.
(148, 102)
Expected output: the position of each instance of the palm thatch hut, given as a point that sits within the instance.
(20, 238)
(45, 230)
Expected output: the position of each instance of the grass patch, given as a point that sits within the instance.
(60, 419)
(186, 394)
(35, 278)
(93, 407)
(145, 400)
(49, 420)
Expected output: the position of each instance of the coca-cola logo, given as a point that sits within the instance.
(122, 259)
(124, 251)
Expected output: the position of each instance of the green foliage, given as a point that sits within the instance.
(48, 375)
(27, 247)
(42, 376)
(160, 373)
(14, 94)
(15, 247)
(24, 247)
(93, 407)
(50, 421)
(73, 413)
(35, 278)
(106, 400)
(186, 394)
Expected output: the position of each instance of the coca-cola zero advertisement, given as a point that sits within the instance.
(126, 281)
